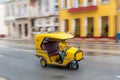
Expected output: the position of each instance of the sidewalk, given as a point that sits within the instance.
(74, 40)
(17, 39)
(30, 43)
(71, 40)
(93, 40)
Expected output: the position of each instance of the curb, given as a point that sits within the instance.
(74, 39)
(17, 39)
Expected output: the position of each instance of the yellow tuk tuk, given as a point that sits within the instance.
(47, 49)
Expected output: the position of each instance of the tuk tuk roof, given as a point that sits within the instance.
(55, 35)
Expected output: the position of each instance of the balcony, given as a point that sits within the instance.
(22, 16)
(8, 18)
(83, 9)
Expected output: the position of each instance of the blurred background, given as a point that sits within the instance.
(95, 25)
(85, 19)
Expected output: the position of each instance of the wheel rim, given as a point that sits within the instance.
(42, 62)
(74, 65)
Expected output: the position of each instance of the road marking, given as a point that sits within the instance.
(1, 78)
(4, 46)
(1, 55)
(101, 50)
(24, 50)
(118, 76)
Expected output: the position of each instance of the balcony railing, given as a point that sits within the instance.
(7, 18)
(21, 16)
(83, 9)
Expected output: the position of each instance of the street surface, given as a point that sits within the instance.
(18, 62)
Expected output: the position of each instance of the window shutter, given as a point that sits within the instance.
(85, 2)
(86, 24)
(100, 25)
(68, 4)
(62, 4)
(63, 26)
(73, 25)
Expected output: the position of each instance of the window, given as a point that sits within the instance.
(56, 28)
(19, 10)
(47, 5)
(48, 29)
(90, 2)
(12, 9)
(118, 5)
(56, 8)
(65, 4)
(32, 23)
(56, 1)
(56, 20)
(8, 11)
(25, 8)
(39, 5)
(75, 3)
(104, 1)
(65, 25)
(40, 29)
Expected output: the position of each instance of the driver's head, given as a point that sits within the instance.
(62, 40)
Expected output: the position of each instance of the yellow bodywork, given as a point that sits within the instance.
(70, 53)
(56, 35)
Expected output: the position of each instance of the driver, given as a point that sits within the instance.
(63, 46)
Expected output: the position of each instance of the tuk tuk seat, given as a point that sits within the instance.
(51, 47)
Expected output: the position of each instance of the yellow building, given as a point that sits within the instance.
(90, 18)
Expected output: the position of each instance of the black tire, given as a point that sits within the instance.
(74, 65)
(43, 62)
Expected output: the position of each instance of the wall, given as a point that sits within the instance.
(3, 28)
(102, 10)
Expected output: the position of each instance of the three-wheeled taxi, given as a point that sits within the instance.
(47, 49)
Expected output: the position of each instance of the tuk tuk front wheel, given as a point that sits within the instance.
(74, 65)
(43, 62)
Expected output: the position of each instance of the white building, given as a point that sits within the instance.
(46, 16)
(18, 18)
(3, 28)
(27, 17)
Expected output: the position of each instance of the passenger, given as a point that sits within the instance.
(63, 46)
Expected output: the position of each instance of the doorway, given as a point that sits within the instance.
(105, 26)
(90, 27)
(20, 30)
(26, 30)
(77, 27)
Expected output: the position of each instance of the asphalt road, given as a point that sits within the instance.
(21, 64)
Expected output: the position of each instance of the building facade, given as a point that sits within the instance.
(9, 17)
(90, 18)
(3, 28)
(17, 18)
(25, 18)
(46, 18)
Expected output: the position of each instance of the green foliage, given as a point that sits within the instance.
(77, 31)
(104, 30)
(90, 30)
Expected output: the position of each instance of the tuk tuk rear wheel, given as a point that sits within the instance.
(43, 62)
(74, 65)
